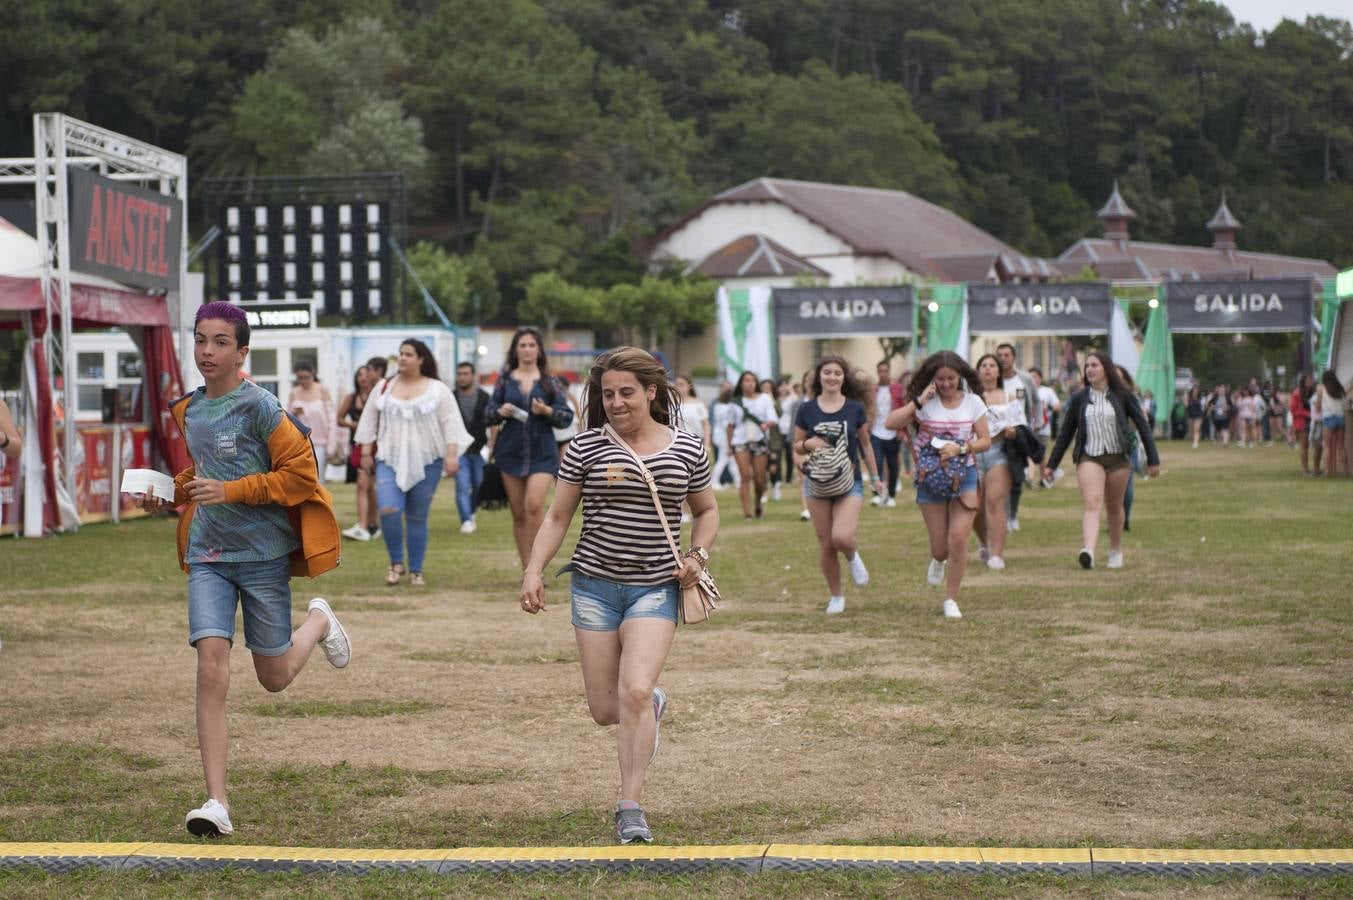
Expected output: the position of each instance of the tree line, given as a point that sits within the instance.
(548, 141)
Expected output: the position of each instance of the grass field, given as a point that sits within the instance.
(1200, 697)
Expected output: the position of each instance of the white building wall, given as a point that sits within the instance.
(719, 224)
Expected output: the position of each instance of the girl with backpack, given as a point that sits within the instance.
(832, 430)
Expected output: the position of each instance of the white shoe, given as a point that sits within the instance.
(858, 573)
(337, 648)
(1058, 475)
(876, 501)
(934, 573)
(1115, 559)
(951, 610)
(804, 515)
(1086, 558)
(211, 819)
(775, 493)
(996, 563)
(468, 526)
(890, 503)
(1012, 524)
(983, 552)
(836, 606)
(357, 533)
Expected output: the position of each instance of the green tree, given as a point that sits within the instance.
(464, 286)
(552, 300)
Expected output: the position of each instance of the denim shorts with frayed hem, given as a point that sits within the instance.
(967, 485)
(262, 589)
(601, 605)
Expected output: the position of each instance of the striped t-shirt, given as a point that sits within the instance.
(622, 539)
(1101, 425)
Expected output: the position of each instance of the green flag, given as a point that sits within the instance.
(1155, 371)
(946, 327)
(1329, 313)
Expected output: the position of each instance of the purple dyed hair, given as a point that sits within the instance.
(226, 312)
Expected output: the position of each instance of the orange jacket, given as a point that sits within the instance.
(293, 483)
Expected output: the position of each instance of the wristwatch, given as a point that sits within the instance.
(699, 553)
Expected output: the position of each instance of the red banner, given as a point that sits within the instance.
(138, 452)
(10, 489)
(94, 475)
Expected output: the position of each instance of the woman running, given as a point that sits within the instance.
(529, 403)
(753, 417)
(411, 433)
(836, 413)
(1005, 412)
(1101, 416)
(951, 424)
(626, 583)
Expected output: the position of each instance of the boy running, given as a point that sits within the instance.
(256, 515)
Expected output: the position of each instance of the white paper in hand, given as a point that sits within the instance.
(141, 482)
(940, 443)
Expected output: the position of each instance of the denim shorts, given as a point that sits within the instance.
(967, 486)
(1333, 422)
(856, 490)
(601, 605)
(263, 589)
(992, 457)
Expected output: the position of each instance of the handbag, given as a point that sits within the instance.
(830, 473)
(492, 493)
(701, 598)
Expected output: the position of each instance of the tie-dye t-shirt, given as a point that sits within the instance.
(228, 438)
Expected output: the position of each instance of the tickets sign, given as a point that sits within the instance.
(1202, 307)
(126, 233)
(1070, 308)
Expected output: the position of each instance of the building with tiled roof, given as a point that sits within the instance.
(1116, 257)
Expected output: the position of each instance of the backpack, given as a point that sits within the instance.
(940, 477)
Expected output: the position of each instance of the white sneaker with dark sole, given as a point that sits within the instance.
(630, 823)
(357, 533)
(858, 573)
(335, 644)
(934, 572)
(468, 526)
(211, 819)
(804, 516)
(951, 610)
(1086, 558)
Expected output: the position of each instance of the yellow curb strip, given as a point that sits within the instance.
(1229, 857)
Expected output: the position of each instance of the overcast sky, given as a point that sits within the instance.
(1264, 14)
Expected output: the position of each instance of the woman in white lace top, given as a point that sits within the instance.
(415, 424)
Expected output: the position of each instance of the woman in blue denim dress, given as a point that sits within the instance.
(528, 404)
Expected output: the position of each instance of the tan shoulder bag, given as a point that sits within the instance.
(701, 598)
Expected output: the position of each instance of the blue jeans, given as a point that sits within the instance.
(469, 477)
(885, 460)
(398, 508)
(263, 589)
(602, 605)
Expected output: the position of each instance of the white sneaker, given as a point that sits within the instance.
(211, 819)
(890, 503)
(468, 526)
(996, 563)
(876, 501)
(951, 610)
(983, 552)
(337, 648)
(934, 573)
(1012, 524)
(1086, 558)
(357, 533)
(685, 518)
(858, 573)
(836, 606)
(775, 493)
(1115, 559)
(1058, 475)
(804, 516)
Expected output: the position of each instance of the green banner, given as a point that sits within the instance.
(946, 326)
(1329, 313)
(1155, 371)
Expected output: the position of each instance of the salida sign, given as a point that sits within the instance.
(1075, 308)
(1231, 306)
(126, 233)
(842, 312)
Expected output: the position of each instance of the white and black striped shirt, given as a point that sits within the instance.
(622, 539)
(1101, 426)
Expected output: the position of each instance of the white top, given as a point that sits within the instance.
(693, 418)
(1004, 415)
(883, 404)
(747, 428)
(1101, 426)
(1047, 399)
(722, 415)
(410, 434)
(788, 408)
(934, 419)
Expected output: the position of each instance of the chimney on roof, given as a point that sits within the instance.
(1116, 215)
(1223, 226)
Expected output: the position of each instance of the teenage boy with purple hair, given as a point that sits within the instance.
(256, 514)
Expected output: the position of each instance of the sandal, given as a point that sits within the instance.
(396, 572)
(416, 579)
